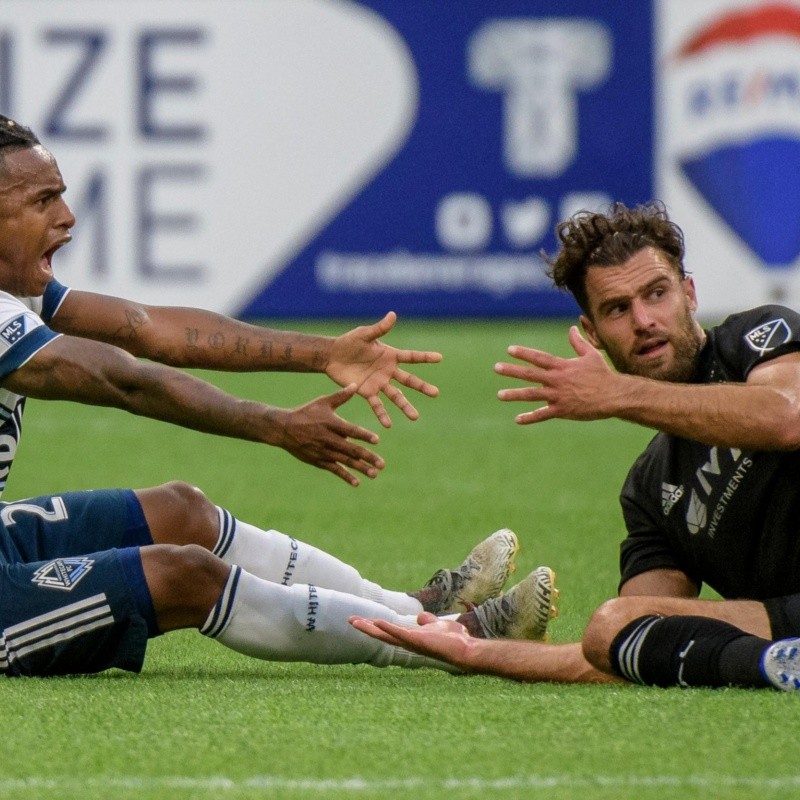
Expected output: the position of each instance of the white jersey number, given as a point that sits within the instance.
(58, 513)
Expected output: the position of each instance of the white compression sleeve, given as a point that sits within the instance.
(279, 558)
(303, 623)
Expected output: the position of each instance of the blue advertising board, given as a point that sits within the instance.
(525, 111)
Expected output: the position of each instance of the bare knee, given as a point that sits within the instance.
(606, 622)
(179, 513)
(185, 582)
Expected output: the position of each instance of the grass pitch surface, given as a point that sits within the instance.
(203, 722)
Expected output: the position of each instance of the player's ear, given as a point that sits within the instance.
(590, 332)
(691, 292)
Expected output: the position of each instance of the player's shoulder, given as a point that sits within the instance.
(749, 337)
(769, 320)
(10, 303)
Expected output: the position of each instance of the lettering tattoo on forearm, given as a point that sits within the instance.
(241, 346)
(192, 337)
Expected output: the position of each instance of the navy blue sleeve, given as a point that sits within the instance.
(52, 299)
(23, 347)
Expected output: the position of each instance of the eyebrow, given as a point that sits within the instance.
(48, 191)
(615, 301)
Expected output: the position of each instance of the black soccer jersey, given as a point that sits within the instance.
(726, 517)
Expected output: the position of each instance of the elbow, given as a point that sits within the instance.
(786, 432)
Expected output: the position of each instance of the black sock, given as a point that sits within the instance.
(687, 651)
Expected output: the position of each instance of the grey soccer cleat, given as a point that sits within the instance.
(482, 575)
(780, 664)
(524, 611)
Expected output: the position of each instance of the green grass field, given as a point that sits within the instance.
(203, 722)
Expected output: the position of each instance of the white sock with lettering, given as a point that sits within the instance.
(278, 558)
(303, 623)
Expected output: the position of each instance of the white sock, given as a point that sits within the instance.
(278, 558)
(303, 623)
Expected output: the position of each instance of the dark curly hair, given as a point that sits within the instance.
(596, 239)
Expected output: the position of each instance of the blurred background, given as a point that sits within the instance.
(337, 158)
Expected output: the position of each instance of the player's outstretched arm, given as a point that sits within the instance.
(188, 337)
(68, 368)
(448, 640)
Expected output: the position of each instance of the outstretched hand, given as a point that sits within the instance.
(316, 435)
(570, 388)
(443, 639)
(358, 357)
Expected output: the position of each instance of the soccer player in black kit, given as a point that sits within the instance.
(715, 497)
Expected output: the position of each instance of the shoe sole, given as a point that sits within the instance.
(780, 664)
(490, 579)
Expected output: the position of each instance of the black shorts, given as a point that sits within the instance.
(784, 616)
(73, 598)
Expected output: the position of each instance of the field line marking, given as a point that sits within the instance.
(355, 784)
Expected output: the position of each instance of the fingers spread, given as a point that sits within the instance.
(342, 473)
(399, 399)
(539, 415)
(380, 328)
(372, 628)
(538, 358)
(530, 374)
(415, 382)
(418, 356)
(343, 395)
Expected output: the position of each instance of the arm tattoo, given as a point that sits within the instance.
(192, 336)
(135, 320)
(318, 359)
(216, 341)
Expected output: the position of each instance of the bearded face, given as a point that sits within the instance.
(643, 317)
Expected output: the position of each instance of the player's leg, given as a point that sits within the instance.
(74, 615)
(89, 613)
(612, 616)
(697, 649)
(70, 524)
(189, 587)
(178, 513)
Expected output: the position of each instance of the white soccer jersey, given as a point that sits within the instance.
(23, 332)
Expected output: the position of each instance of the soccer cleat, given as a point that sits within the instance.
(524, 611)
(482, 575)
(780, 664)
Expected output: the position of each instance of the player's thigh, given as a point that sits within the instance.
(72, 523)
(72, 615)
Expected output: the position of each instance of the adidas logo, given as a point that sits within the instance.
(669, 496)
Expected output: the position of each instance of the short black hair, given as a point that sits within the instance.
(14, 136)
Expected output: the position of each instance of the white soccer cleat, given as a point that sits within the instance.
(481, 576)
(524, 611)
(780, 664)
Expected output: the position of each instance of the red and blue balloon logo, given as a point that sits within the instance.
(740, 97)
